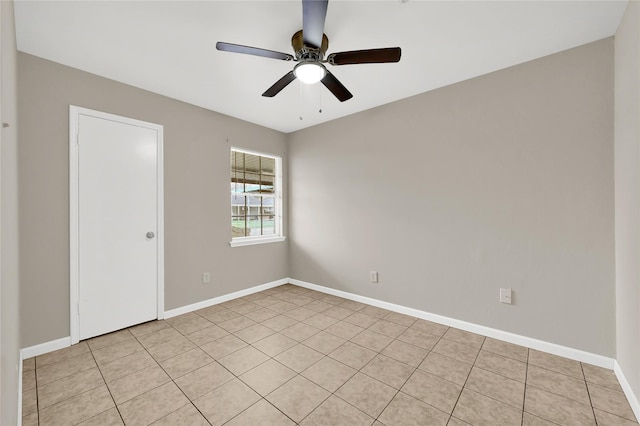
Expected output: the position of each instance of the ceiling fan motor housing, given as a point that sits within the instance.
(306, 53)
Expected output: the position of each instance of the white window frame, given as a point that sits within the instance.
(279, 234)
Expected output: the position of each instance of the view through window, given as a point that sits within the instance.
(254, 195)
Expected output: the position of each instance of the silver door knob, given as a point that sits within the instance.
(150, 235)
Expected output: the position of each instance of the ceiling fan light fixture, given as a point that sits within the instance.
(310, 72)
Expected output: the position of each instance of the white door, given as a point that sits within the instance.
(118, 204)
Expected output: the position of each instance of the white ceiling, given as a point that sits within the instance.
(168, 47)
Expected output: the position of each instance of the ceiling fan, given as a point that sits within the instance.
(310, 45)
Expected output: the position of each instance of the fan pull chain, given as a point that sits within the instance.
(301, 99)
(310, 100)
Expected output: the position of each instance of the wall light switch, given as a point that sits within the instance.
(373, 276)
(206, 278)
(505, 295)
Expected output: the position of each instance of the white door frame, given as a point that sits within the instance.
(74, 120)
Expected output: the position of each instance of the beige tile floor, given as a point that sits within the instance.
(289, 355)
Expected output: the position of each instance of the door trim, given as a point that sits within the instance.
(74, 120)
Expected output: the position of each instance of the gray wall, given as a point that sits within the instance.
(9, 305)
(505, 180)
(197, 214)
(627, 194)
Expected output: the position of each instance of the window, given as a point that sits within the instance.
(256, 198)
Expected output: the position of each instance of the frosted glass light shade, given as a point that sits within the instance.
(309, 72)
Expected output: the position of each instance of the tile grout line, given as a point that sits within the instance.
(35, 373)
(273, 358)
(105, 385)
(300, 373)
(593, 410)
(61, 378)
(493, 398)
(524, 397)
(339, 387)
(400, 388)
(171, 378)
(144, 349)
(230, 372)
(526, 385)
(413, 372)
(265, 396)
(561, 395)
(379, 352)
(467, 379)
(458, 398)
(587, 382)
(338, 361)
(325, 356)
(173, 381)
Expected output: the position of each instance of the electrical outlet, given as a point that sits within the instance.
(206, 278)
(373, 276)
(505, 295)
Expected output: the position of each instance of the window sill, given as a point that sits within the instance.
(249, 241)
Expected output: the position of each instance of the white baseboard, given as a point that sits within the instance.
(65, 342)
(224, 298)
(552, 348)
(628, 391)
(45, 347)
(564, 351)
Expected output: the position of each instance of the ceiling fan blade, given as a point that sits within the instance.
(314, 13)
(279, 85)
(333, 84)
(255, 51)
(369, 56)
